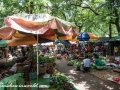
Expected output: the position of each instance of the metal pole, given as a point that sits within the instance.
(37, 65)
(84, 48)
(6, 50)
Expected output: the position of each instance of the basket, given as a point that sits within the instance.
(50, 70)
(48, 64)
(23, 68)
(42, 69)
(34, 65)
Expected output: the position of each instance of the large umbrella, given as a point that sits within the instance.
(86, 36)
(39, 25)
(23, 41)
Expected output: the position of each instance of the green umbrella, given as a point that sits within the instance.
(116, 38)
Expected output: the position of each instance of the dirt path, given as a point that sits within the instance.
(85, 81)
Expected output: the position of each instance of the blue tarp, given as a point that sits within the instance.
(62, 41)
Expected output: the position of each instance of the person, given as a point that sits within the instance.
(103, 50)
(115, 50)
(21, 59)
(97, 49)
(76, 55)
(98, 61)
(23, 51)
(86, 64)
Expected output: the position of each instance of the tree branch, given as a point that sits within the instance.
(92, 10)
(87, 6)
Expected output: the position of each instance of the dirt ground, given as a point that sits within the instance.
(94, 80)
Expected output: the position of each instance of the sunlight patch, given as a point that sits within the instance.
(72, 71)
(82, 86)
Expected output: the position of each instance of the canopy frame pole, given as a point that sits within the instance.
(84, 48)
(6, 54)
(37, 65)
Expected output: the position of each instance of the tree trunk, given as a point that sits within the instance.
(117, 20)
(110, 35)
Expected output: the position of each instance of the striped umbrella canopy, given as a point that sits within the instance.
(20, 27)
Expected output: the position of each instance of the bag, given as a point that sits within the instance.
(32, 74)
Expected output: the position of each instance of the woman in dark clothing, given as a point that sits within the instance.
(23, 51)
(21, 60)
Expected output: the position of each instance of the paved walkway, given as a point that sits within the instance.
(85, 81)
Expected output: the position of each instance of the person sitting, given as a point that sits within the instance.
(98, 62)
(86, 64)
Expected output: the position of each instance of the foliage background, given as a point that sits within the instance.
(89, 15)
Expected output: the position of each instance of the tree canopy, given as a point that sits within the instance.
(89, 15)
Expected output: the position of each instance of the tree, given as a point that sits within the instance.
(89, 15)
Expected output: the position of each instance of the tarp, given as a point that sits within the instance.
(40, 24)
(43, 82)
(23, 41)
(102, 39)
(3, 43)
(20, 26)
(12, 82)
(116, 38)
(62, 41)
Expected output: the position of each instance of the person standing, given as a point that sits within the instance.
(103, 50)
(23, 51)
(115, 50)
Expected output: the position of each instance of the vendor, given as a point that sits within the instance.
(76, 55)
(86, 64)
(98, 61)
(21, 59)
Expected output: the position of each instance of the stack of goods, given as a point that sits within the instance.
(116, 79)
(62, 82)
